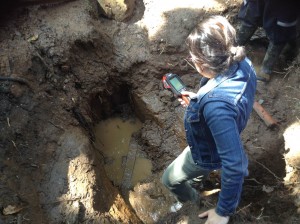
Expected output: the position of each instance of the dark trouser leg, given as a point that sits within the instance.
(177, 175)
(244, 33)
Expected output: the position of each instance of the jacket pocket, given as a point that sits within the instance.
(193, 113)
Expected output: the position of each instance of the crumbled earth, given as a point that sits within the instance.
(65, 67)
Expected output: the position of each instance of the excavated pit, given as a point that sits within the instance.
(116, 137)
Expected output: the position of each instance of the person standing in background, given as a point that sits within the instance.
(279, 20)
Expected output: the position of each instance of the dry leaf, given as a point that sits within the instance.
(11, 209)
(33, 38)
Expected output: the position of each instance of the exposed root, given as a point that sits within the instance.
(15, 79)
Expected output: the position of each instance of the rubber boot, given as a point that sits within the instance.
(270, 58)
(244, 34)
(291, 50)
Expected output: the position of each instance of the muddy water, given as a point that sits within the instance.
(113, 139)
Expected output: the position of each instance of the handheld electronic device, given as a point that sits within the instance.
(174, 83)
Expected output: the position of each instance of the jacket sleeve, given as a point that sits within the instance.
(221, 120)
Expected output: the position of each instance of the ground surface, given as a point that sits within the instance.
(77, 68)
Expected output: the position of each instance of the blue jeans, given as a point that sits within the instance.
(177, 174)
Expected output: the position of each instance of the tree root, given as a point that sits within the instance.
(15, 79)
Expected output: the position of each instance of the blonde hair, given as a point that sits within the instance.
(212, 44)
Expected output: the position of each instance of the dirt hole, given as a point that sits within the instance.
(116, 138)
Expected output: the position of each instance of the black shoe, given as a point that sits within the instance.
(196, 183)
(271, 57)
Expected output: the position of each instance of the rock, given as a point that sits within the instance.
(11, 209)
(146, 198)
(119, 10)
(148, 105)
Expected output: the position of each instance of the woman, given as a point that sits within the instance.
(214, 118)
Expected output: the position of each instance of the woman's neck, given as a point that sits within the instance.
(208, 74)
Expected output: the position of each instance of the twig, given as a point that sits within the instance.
(25, 218)
(14, 144)
(56, 126)
(207, 204)
(267, 169)
(288, 72)
(254, 180)
(258, 147)
(100, 99)
(8, 121)
(110, 93)
(244, 208)
(279, 72)
(163, 49)
(260, 216)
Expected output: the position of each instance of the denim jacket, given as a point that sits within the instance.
(213, 122)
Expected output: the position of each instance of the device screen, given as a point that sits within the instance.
(176, 83)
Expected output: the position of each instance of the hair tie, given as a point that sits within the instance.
(233, 50)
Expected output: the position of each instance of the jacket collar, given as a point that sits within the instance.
(216, 81)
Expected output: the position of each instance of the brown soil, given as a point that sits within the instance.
(72, 68)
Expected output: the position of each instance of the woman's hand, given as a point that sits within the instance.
(186, 94)
(213, 217)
